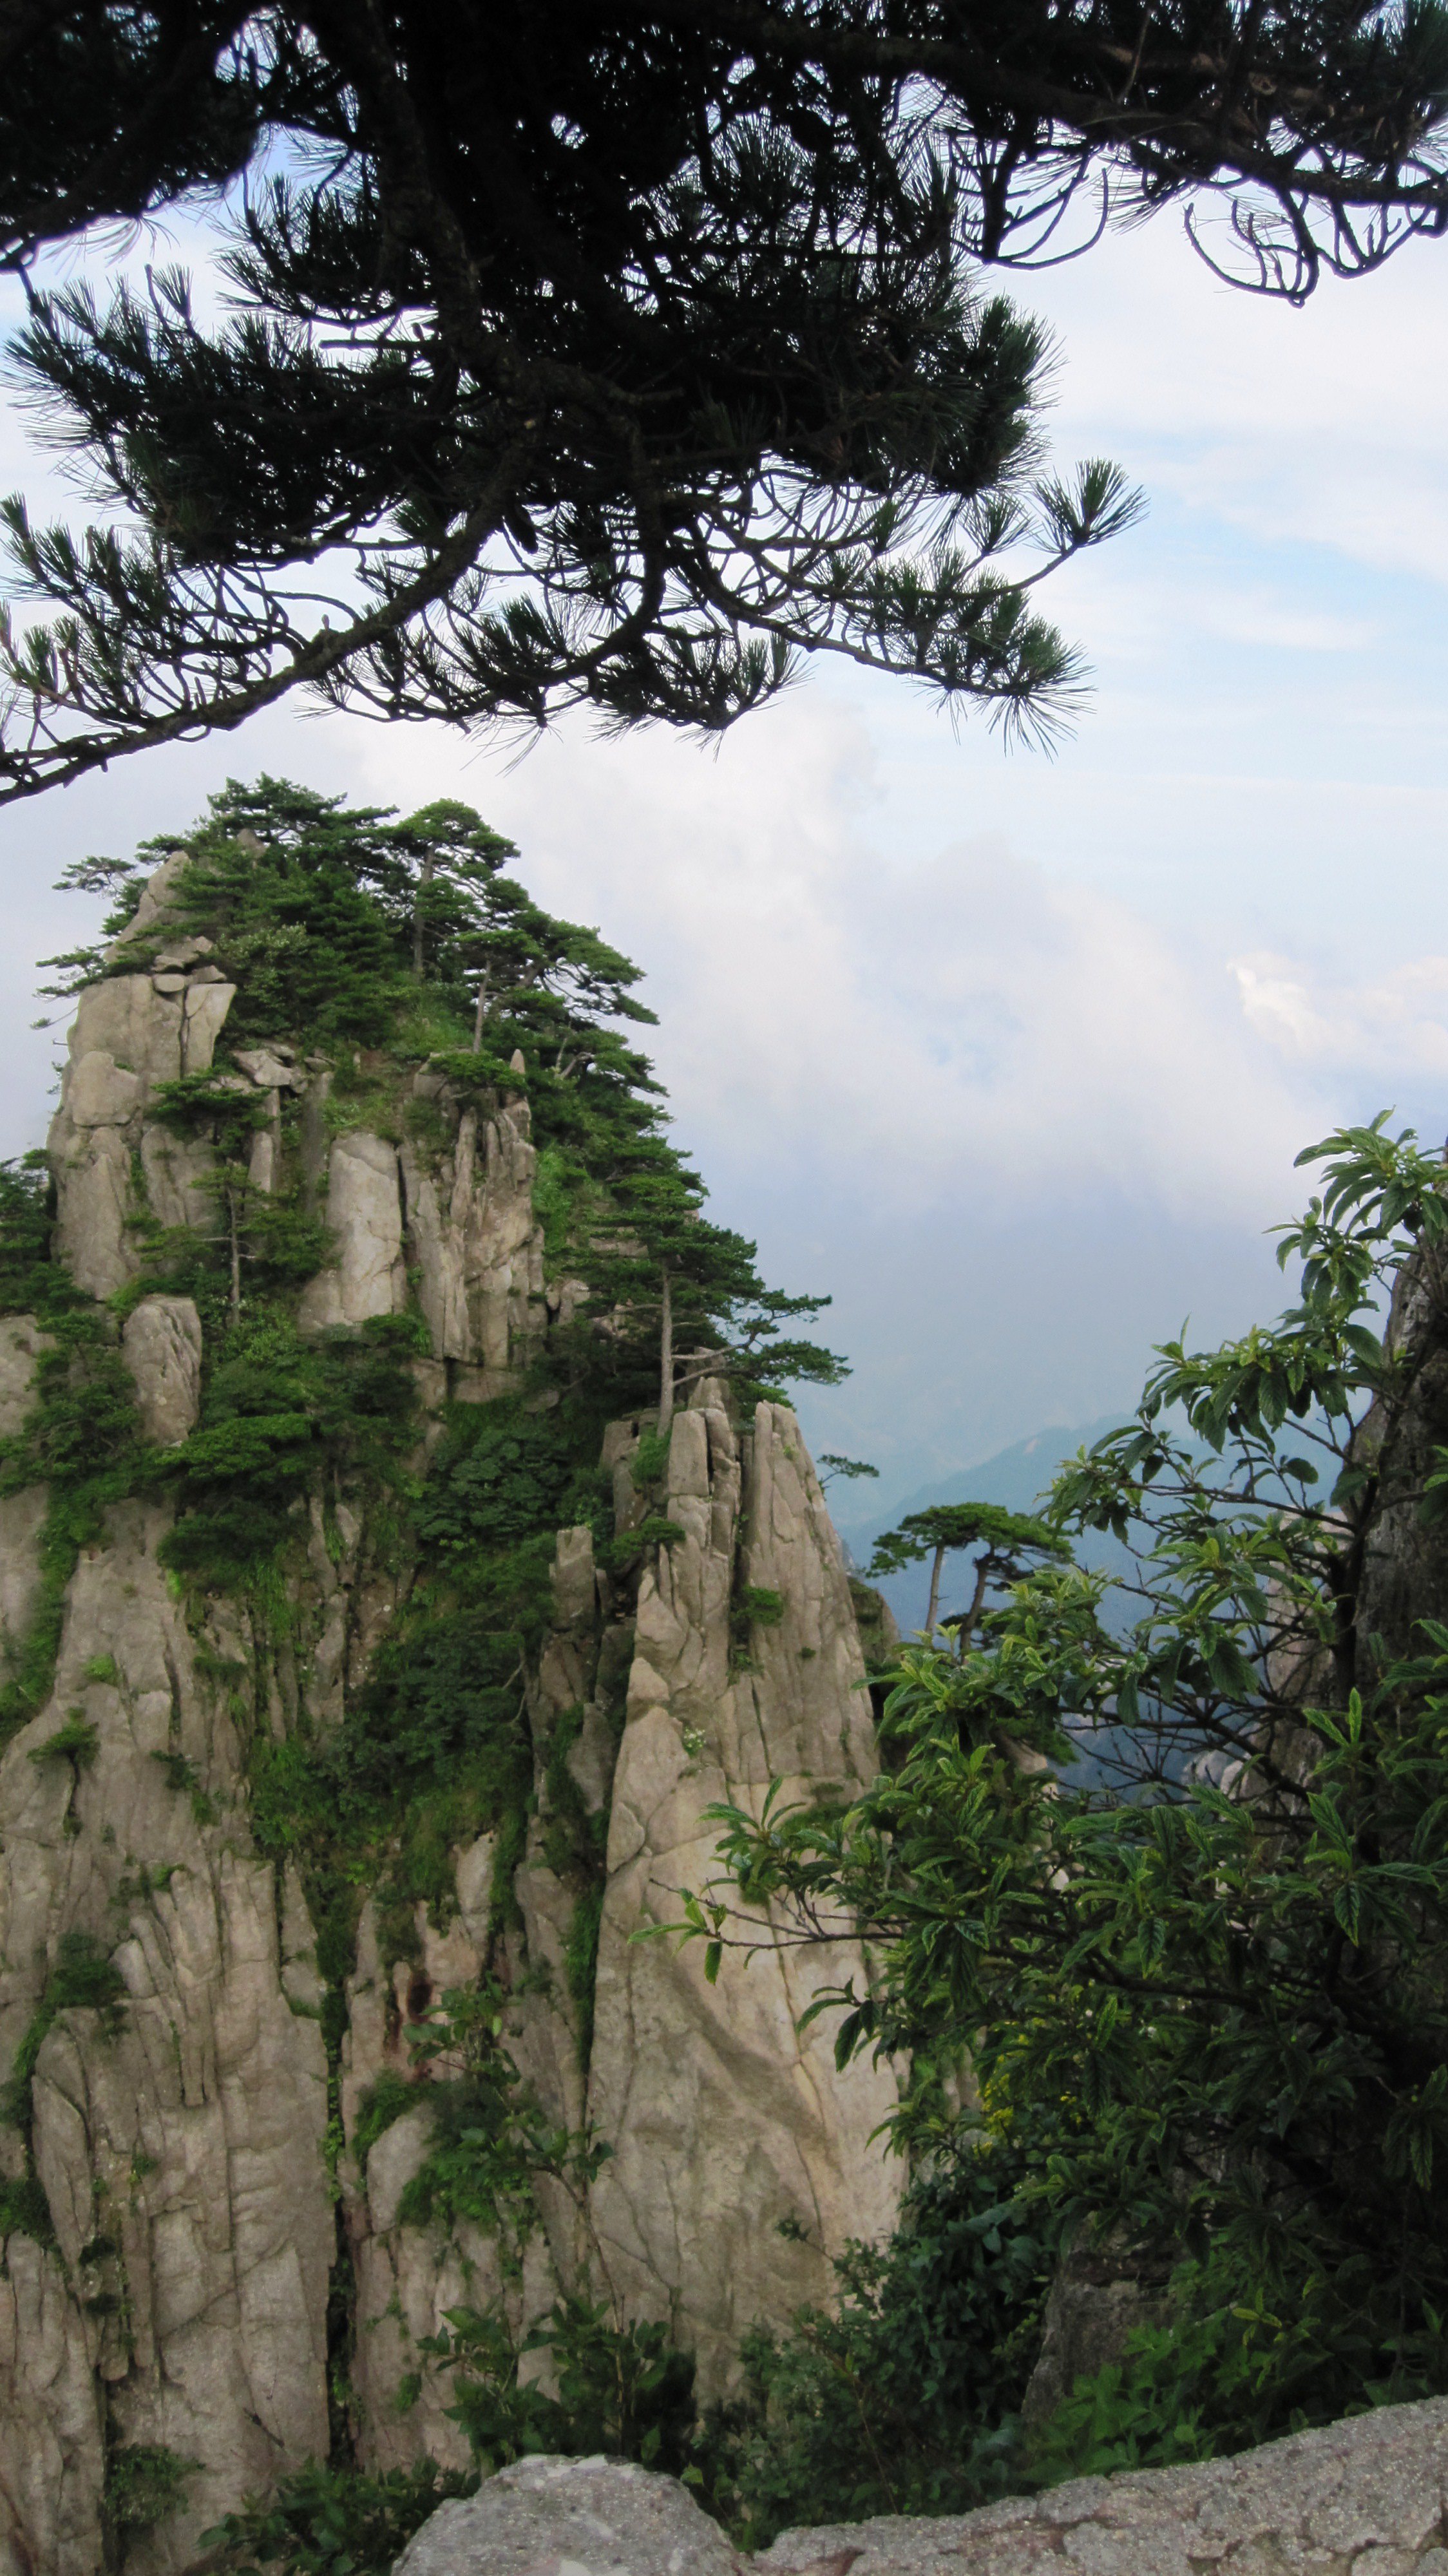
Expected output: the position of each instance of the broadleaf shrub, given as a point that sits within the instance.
(1203, 1980)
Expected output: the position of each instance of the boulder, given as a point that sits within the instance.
(1105, 2291)
(178, 954)
(268, 1070)
(100, 1092)
(571, 2518)
(206, 1007)
(1361, 2498)
(127, 1018)
(162, 1346)
(1351, 2500)
(157, 905)
(1365, 2496)
(95, 1205)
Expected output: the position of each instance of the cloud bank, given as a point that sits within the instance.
(960, 1022)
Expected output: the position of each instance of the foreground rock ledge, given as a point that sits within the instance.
(1362, 2498)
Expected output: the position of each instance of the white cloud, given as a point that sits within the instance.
(951, 1012)
(1387, 1026)
(1321, 425)
(955, 1028)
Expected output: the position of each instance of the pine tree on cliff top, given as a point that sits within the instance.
(405, 937)
(618, 357)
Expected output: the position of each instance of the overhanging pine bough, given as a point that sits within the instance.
(617, 360)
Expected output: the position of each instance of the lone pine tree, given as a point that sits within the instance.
(616, 357)
(1007, 1543)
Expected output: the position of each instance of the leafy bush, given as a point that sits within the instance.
(28, 1278)
(24, 2210)
(74, 1742)
(85, 1415)
(626, 2391)
(650, 1459)
(389, 2099)
(278, 1411)
(81, 1439)
(334, 2521)
(1207, 1995)
(145, 2485)
(84, 1978)
(504, 1475)
(491, 2138)
(903, 2397)
(445, 1696)
(760, 1607)
(1240, 2362)
(628, 1549)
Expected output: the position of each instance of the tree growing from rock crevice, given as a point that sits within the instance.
(1008, 1543)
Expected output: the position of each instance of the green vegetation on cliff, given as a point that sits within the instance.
(1194, 2009)
(1205, 2001)
(394, 984)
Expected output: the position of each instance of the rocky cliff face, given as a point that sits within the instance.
(231, 1913)
(742, 2230)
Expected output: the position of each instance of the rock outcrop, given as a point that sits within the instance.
(747, 1669)
(132, 1033)
(192, 2231)
(740, 2161)
(364, 1212)
(477, 1242)
(600, 2516)
(1362, 2498)
(162, 1343)
(1367, 2497)
(177, 2124)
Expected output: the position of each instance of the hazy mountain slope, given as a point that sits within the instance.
(1015, 1478)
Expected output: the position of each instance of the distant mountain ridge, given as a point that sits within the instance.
(1015, 1478)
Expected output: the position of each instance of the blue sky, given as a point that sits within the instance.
(1012, 1054)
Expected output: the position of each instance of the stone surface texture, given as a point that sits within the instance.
(22, 1515)
(574, 2518)
(364, 1211)
(1363, 2498)
(22, 1518)
(131, 1033)
(717, 1707)
(178, 2136)
(1367, 2497)
(162, 1345)
(408, 2277)
(22, 1345)
(1103, 2293)
(478, 1245)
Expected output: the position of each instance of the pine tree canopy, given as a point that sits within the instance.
(613, 356)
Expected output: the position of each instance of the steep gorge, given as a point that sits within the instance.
(373, 1664)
